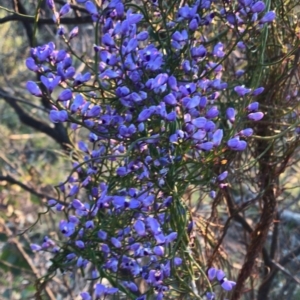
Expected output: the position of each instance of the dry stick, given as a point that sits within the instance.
(265, 286)
(285, 271)
(30, 19)
(26, 257)
(60, 137)
(267, 176)
(234, 212)
(258, 236)
(27, 188)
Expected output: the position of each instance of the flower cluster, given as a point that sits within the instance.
(150, 106)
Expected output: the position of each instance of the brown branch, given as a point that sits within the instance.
(285, 271)
(267, 179)
(19, 8)
(56, 133)
(28, 188)
(266, 285)
(24, 186)
(31, 20)
(59, 132)
(26, 257)
(16, 99)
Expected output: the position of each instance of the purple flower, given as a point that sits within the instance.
(74, 219)
(92, 9)
(225, 284)
(210, 126)
(212, 113)
(190, 103)
(199, 122)
(268, 17)
(107, 40)
(58, 116)
(35, 247)
(241, 90)
(258, 91)
(51, 202)
(210, 296)
(217, 137)
(153, 225)
(212, 194)
(171, 237)
(70, 256)
(131, 46)
(146, 114)
(116, 242)
(74, 190)
(43, 52)
(258, 7)
(239, 73)
(230, 114)
(73, 33)
(253, 106)
(205, 146)
(64, 10)
(77, 103)
(236, 144)
(203, 102)
(222, 176)
(66, 228)
(198, 52)
(50, 4)
(160, 80)
(101, 290)
(34, 89)
(142, 36)
(172, 82)
(140, 228)
(77, 204)
(31, 65)
(218, 50)
(102, 235)
(80, 244)
(50, 82)
(246, 132)
(177, 261)
(212, 273)
(193, 25)
(105, 248)
(134, 18)
(256, 116)
(120, 9)
(158, 250)
(61, 29)
(178, 37)
(59, 207)
(131, 286)
(89, 224)
(170, 99)
(122, 171)
(199, 135)
(65, 95)
(93, 112)
(95, 274)
(85, 296)
(241, 45)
